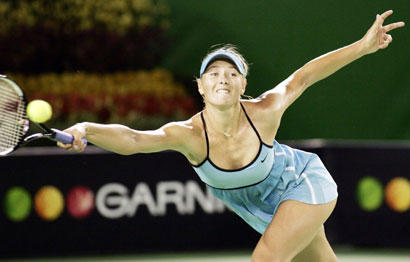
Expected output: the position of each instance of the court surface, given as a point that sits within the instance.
(344, 255)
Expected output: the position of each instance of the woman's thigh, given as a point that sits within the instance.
(292, 229)
(319, 250)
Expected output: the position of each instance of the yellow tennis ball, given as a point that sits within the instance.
(39, 111)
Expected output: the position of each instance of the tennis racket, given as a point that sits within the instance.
(14, 122)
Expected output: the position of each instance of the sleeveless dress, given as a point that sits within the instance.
(277, 173)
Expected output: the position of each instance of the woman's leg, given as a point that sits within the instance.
(292, 229)
(318, 250)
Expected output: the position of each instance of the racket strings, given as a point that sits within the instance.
(13, 123)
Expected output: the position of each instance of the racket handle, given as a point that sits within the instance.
(64, 137)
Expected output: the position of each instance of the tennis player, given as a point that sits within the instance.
(283, 193)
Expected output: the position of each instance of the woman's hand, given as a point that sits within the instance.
(376, 37)
(79, 132)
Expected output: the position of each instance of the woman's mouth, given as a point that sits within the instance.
(222, 91)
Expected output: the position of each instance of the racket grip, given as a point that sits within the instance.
(64, 137)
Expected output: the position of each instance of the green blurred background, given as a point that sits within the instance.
(369, 99)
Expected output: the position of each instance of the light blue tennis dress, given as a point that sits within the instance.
(277, 173)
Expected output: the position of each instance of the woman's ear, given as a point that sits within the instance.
(244, 83)
(198, 82)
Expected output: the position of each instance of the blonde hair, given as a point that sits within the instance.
(233, 50)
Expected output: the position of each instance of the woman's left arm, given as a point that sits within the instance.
(282, 96)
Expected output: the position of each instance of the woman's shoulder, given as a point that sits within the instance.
(265, 119)
(268, 102)
(257, 108)
(190, 134)
(191, 127)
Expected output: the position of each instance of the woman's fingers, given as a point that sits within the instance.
(387, 40)
(78, 144)
(393, 26)
(386, 14)
(380, 20)
(387, 28)
(380, 31)
(65, 146)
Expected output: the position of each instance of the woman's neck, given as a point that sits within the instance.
(223, 121)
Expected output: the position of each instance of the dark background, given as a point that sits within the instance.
(349, 225)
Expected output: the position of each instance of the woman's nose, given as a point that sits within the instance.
(222, 80)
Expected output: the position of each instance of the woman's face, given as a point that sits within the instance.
(221, 84)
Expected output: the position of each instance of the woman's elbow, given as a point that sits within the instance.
(300, 79)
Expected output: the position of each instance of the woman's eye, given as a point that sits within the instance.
(233, 74)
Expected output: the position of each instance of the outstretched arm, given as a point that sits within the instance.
(123, 140)
(376, 38)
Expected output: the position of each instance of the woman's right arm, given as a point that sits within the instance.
(124, 140)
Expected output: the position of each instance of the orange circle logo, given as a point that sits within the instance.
(398, 194)
(49, 203)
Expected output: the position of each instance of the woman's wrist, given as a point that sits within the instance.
(363, 48)
(83, 128)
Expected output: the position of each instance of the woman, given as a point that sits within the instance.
(283, 193)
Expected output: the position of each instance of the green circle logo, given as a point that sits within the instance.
(369, 193)
(17, 204)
